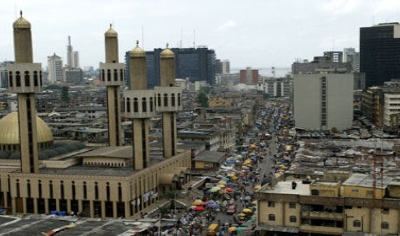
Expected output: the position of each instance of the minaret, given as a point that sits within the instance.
(140, 107)
(25, 78)
(168, 101)
(112, 75)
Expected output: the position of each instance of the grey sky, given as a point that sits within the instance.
(257, 33)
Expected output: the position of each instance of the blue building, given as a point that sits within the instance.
(197, 64)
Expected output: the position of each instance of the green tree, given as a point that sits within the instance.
(202, 99)
(65, 94)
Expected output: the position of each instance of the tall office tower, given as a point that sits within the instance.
(226, 67)
(112, 75)
(168, 99)
(196, 64)
(323, 101)
(379, 53)
(55, 69)
(139, 107)
(72, 56)
(25, 78)
(222, 66)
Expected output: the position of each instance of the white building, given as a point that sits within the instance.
(323, 101)
(55, 69)
(276, 87)
(391, 106)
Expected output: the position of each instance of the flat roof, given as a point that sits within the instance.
(366, 180)
(155, 158)
(34, 225)
(285, 187)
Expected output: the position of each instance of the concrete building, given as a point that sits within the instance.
(357, 205)
(330, 60)
(379, 50)
(277, 87)
(103, 182)
(323, 101)
(55, 69)
(248, 76)
(351, 56)
(72, 56)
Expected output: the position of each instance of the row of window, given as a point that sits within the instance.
(292, 219)
(37, 79)
(358, 223)
(107, 76)
(291, 204)
(151, 108)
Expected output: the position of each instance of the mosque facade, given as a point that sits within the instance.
(114, 181)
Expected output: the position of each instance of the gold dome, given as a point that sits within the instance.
(9, 130)
(21, 23)
(167, 53)
(137, 51)
(111, 32)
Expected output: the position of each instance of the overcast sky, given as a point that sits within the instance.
(256, 33)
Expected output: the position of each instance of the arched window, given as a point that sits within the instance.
(159, 99)
(40, 188)
(179, 99)
(144, 107)
(40, 78)
(28, 188)
(173, 100)
(108, 75)
(26, 79)
(115, 75)
(271, 217)
(10, 78)
(51, 189)
(119, 192)
(151, 104)
(165, 99)
(62, 189)
(84, 190)
(18, 79)
(108, 193)
(121, 74)
(96, 191)
(128, 104)
(102, 75)
(293, 219)
(35, 79)
(135, 105)
(18, 189)
(73, 190)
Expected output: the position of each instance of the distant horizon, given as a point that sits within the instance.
(260, 34)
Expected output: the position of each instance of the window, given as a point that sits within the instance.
(385, 210)
(354, 190)
(292, 205)
(271, 204)
(384, 225)
(356, 223)
(292, 219)
(271, 217)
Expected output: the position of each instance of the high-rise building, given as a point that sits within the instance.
(379, 53)
(72, 56)
(249, 76)
(351, 56)
(4, 73)
(55, 69)
(222, 67)
(196, 64)
(323, 101)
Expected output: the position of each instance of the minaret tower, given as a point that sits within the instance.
(140, 107)
(25, 79)
(168, 101)
(112, 75)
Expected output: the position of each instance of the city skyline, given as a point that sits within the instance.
(257, 33)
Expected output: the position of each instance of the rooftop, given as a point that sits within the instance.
(285, 187)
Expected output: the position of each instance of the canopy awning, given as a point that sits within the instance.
(168, 179)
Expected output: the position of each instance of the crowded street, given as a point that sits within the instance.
(224, 204)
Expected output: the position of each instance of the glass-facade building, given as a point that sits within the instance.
(380, 53)
(197, 64)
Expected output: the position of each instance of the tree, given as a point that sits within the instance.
(65, 94)
(202, 99)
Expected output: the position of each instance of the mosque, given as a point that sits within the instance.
(113, 181)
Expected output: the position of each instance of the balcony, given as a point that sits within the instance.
(321, 229)
(322, 215)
